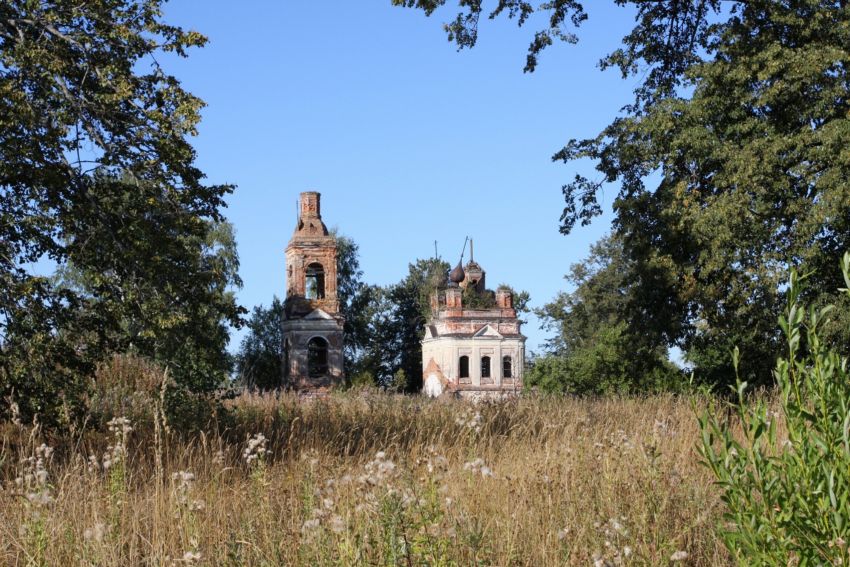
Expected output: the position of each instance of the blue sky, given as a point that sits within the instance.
(408, 140)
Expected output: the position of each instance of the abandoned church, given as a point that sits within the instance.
(472, 345)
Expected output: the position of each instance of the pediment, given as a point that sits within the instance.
(487, 331)
(430, 332)
(318, 314)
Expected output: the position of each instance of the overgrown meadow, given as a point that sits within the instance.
(364, 478)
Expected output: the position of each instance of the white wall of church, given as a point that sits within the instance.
(446, 352)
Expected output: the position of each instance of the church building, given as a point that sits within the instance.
(312, 325)
(472, 346)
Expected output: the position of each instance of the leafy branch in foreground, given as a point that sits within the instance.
(787, 496)
(98, 181)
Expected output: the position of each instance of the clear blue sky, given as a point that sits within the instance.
(408, 140)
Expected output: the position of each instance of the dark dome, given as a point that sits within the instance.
(457, 275)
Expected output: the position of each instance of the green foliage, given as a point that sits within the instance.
(609, 363)
(136, 292)
(373, 356)
(744, 127)
(473, 299)
(789, 499)
(354, 300)
(548, 374)
(394, 318)
(464, 29)
(410, 301)
(258, 363)
(400, 381)
(96, 172)
(362, 379)
(731, 164)
(600, 346)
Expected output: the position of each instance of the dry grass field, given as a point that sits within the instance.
(365, 478)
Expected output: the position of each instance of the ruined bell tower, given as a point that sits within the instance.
(312, 325)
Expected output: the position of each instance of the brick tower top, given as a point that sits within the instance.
(310, 224)
(311, 260)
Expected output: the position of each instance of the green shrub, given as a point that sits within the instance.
(125, 385)
(609, 363)
(788, 494)
(362, 379)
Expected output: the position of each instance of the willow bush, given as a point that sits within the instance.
(787, 494)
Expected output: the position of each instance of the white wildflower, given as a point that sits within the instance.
(255, 451)
(33, 481)
(95, 533)
(337, 524)
(477, 466)
(378, 470)
(470, 420)
(120, 426)
(183, 483)
(617, 526)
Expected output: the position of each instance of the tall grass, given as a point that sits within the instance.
(365, 478)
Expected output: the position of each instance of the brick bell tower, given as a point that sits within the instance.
(312, 325)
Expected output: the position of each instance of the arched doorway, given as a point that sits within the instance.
(317, 357)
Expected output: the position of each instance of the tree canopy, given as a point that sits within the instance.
(595, 350)
(731, 162)
(392, 324)
(97, 173)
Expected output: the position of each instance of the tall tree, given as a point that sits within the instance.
(354, 299)
(753, 176)
(401, 323)
(594, 350)
(135, 295)
(741, 112)
(258, 362)
(94, 151)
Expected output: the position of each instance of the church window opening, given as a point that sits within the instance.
(507, 367)
(314, 287)
(485, 366)
(463, 370)
(317, 357)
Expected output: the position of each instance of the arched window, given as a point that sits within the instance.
(463, 367)
(485, 366)
(507, 367)
(314, 286)
(286, 349)
(317, 357)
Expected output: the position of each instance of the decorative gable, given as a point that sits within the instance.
(487, 331)
(318, 314)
